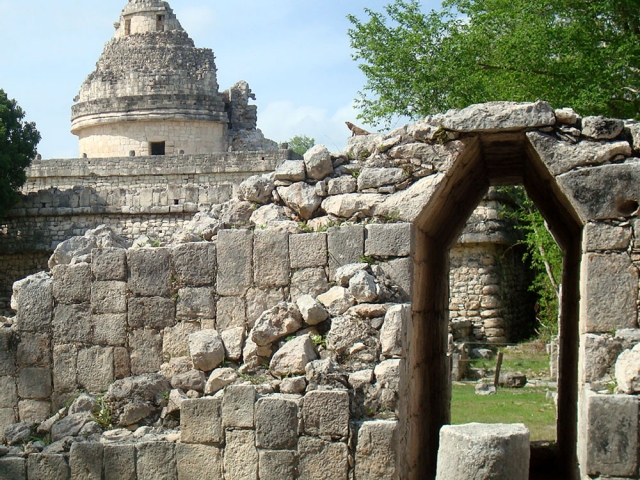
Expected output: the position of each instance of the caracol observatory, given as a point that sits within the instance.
(154, 93)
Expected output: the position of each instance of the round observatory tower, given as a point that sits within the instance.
(152, 92)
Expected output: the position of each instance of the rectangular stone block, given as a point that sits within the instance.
(151, 312)
(278, 465)
(34, 383)
(109, 264)
(33, 410)
(602, 236)
(149, 271)
(7, 417)
(201, 421)
(64, 368)
(259, 300)
(72, 324)
(195, 264)
(13, 468)
(230, 313)
(241, 456)
(276, 422)
(72, 283)
(400, 271)
(308, 250)
(238, 406)
(7, 352)
(609, 290)
(326, 413)
(119, 462)
(376, 450)
(8, 392)
(85, 461)
(110, 329)
(175, 340)
(109, 297)
(196, 303)
(271, 258)
(95, 369)
(320, 460)
(34, 350)
(199, 462)
(611, 435)
(388, 240)
(346, 245)
(121, 363)
(34, 296)
(49, 466)
(146, 351)
(156, 461)
(235, 255)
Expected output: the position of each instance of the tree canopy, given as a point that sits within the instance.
(301, 143)
(18, 142)
(583, 54)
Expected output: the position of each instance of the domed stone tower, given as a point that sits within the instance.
(154, 93)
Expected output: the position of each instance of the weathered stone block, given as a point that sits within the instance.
(293, 357)
(33, 299)
(627, 370)
(241, 456)
(34, 410)
(151, 312)
(271, 258)
(72, 283)
(610, 441)
(326, 413)
(49, 466)
(483, 451)
(312, 311)
(198, 462)
(388, 240)
(337, 300)
(8, 392)
(13, 468)
(320, 459)
(237, 406)
(235, 254)
(196, 303)
(146, 351)
(400, 271)
(233, 341)
(301, 198)
(110, 329)
(346, 245)
(308, 281)
(308, 250)
(275, 323)
(156, 461)
(109, 297)
(393, 329)
(276, 423)
(34, 349)
(175, 342)
(64, 368)
(201, 421)
(149, 271)
(72, 324)
(109, 264)
(609, 287)
(376, 450)
(119, 462)
(34, 383)
(121, 363)
(278, 465)
(85, 461)
(598, 354)
(317, 161)
(195, 263)
(7, 417)
(206, 349)
(95, 368)
(7, 352)
(407, 205)
(602, 236)
(230, 313)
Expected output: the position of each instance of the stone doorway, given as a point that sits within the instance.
(488, 160)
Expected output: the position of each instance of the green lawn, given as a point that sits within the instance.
(524, 405)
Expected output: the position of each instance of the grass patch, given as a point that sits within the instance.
(529, 406)
(529, 358)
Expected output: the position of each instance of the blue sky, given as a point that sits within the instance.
(295, 55)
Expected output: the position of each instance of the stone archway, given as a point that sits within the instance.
(489, 158)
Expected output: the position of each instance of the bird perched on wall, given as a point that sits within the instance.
(356, 130)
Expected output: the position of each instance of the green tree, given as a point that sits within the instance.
(583, 54)
(18, 142)
(301, 143)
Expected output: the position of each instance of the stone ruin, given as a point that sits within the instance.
(301, 328)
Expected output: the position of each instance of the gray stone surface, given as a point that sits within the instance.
(388, 240)
(346, 331)
(235, 253)
(198, 462)
(371, 177)
(407, 205)
(85, 461)
(609, 292)
(238, 406)
(109, 297)
(156, 461)
(34, 350)
(13, 468)
(220, 378)
(95, 368)
(149, 271)
(49, 466)
(271, 258)
(499, 116)
(276, 423)
(110, 329)
(376, 450)
(320, 460)
(72, 324)
(201, 421)
(175, 340)
(278, 465)
(483, 451)
(119, 462)
(610, 432)
(72, 283)
(241, 456)
(34, 410)
(8, 392)
(312, 311)
(349, 204)
(18, 433)
(146, 351)
(256, 189)
(64, 368)
(393, 329)
(301, 198)
(290, 171)
(151, 312)
(7, 352)
(34, 383)
(233, 341)
(318, 162)
(230, 313)
(33, 300)
(308, 281)
(293, 385)
(196, 303)
(191, 380)
(599, 353)
(326, 413)
(341, 185)
(600, 128)
(400, 272)
(109, 264)
(275, 323)
(602, 236)
(194, 264)
(308, 250)
(206, 349)
(293, 356)
(337, 300)
(627, 371)
(346, 245)
(363, 288)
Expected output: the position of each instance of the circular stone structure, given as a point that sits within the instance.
(152, 93)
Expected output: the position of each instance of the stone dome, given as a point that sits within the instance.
(152, 92)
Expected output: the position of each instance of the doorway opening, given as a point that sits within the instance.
(157, 148)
